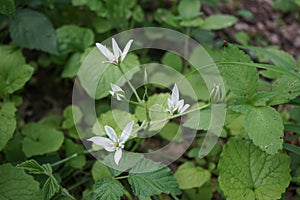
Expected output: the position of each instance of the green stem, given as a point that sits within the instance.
(82, 181)
(129, 83)
(137, 144)
(71, 157)
(122, 177)
(128, 195)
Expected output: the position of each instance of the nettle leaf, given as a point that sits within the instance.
(16, 184)
(7, 123)
(35, 168)
(264, 126)
(71, 38)
(189, 9)
(7, 7)
(72, 148)
(188, 176)
(218, 21)
(285, 89)
(14, 72)
(40, 139)
(241, 80)
(33, 30)
(246, 172)
(108, 188)
(50, 188)
(154, 183)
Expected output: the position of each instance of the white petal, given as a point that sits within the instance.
(126, 132)
(120, 97)
(175, 94)
(116, 48)
(170, 103)
(112, 93)
(126, 49)
(106, 143)
(111, 133)
(107, 53)
(118, 155)
(180, 105)
(185, 107)
(116, 88)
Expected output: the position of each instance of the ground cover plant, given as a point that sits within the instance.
(94, 104)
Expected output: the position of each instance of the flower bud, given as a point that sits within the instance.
(216, 95)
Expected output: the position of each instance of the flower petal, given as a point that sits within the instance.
(111, 133)
(107, 53)
(185, 107)
(175, 94)
(180, 105)
(116, 48)
(118, 156)
(116, 88)
(126, 49)
(126, 132)
(106, 143)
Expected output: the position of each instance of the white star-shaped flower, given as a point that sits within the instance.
(117, 56)
(117, 92)
(113, 143)
(176, 106)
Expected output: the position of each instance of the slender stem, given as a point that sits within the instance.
(82, 181)
(137, 144)
(71, 157)
(128, 195)
(122, 177)
(135, 103)
(129, 83)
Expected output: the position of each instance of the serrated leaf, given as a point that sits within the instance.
(246, 172)
(17, 185)
(188, 176)
(285, 89)
(108, 188)
(71, 38)
(264, 126)
(7, 123)
(99, 171)
(189, 9)
(14, 72)
(241, 80)
(72, 148)
(218, 21)
(7, 7)
(33, 30)
(34, 167)
(40, 139)
(50, 188)
(153, 183)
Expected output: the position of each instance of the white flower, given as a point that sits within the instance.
(113, 143)
(117, 56)
(216, 95)
(175, 105)
(117, 92)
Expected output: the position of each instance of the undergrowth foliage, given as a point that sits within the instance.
(256, 157)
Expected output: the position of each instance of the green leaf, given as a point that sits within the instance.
(108, 188)
(71, 38)
(102, 25)
(35, 168)
(153, 183)
(72, 148)
(72, 115)
(285, 89)
(218, 21)
(14, 72)
(7, 123)
(241, 80)
(198, 122)
(171, 132)
(166, 16)
(40, 139)
(138, 13)
(172, 60)
(188, 176)
(7, 7)
(33, 30)
(94, 5)
(189, 9)
(117, 119)
(17, 185)
(203, 193)
(246, 172)
(99, 171)
(50, 188)
(265, 128)
(192, 22)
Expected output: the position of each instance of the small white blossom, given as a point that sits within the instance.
(117, 92)
(216, 95)
(174, 104)
(113, 143)
(117, 56)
